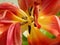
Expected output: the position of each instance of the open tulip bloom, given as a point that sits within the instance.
(37, 16)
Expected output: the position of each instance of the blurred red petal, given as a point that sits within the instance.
(50, 7)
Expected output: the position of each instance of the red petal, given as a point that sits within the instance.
(50, 6)
(13, 35)
(26, 4)
(10, 33)
(9, 6)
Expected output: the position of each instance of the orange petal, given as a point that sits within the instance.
(36, 37)
(55, 41)
(50, 23)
